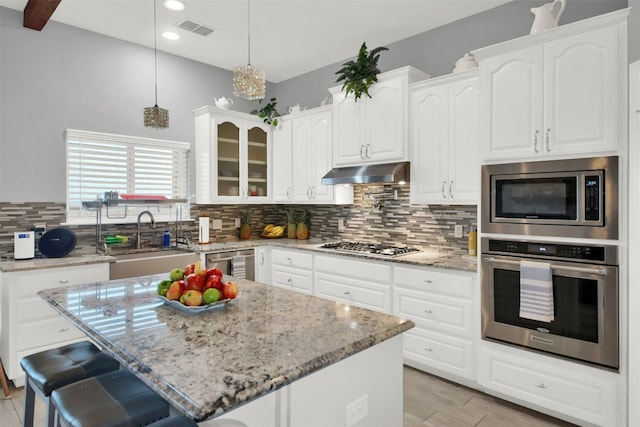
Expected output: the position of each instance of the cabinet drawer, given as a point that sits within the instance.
(33, 309)
(349, 267)
(434, 312)
(42, 333)
(423, 279)
(292, 259)
(440, 352)
(29, 283)
(295, 279)
(374, 296)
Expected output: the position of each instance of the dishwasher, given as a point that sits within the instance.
(239, 263)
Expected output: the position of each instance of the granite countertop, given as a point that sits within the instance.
(40, 263)
(209, 363)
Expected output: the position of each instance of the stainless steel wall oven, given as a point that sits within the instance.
(585, 298)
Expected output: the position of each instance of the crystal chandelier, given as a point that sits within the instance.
(156, 117)
(249, 82)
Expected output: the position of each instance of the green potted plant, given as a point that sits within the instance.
(268, 113)
(360, 74)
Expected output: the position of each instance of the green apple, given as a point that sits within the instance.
(176, 274)
(163, 287)
(211, 295)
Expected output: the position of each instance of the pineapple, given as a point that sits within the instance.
(291, 223)
(302, 229)
(245, 225)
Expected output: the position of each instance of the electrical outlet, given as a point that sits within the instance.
(357, 410)
(457, 231)
(216, 224)
(341, 225)
(237, 222)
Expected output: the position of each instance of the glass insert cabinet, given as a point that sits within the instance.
(233, 157)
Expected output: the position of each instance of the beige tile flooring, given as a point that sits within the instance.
(428, 402)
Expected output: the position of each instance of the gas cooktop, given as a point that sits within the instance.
(370, 249)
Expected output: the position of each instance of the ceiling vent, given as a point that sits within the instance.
(194, 27)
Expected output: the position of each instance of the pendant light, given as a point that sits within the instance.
(249, 82)
(156, 117)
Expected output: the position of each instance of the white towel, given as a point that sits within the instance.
(536, 291)
(239, 267)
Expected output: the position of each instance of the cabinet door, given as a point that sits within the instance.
(302, 152)
(582, 76)
(321, 156)
(257, 186)
(282, 161)
(227, 158)
(429, 144)
(386, 121)
(464, 142)
(263, 264)
(512, 88)
(348, 137)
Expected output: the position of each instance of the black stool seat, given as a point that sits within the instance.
(175, 421)
(58, 367)
(114, 399)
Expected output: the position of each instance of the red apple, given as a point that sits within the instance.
(214, 282)
(229, 290)
(214, 271)
(193, 298)
(175, 290)
(195, 282)
(189, 268)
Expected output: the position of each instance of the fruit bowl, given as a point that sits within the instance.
(214, 306)
(269, 236)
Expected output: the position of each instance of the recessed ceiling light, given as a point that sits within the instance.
(174, 5)
(171, 35)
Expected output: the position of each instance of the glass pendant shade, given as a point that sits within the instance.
(156, 117)
(249, 83)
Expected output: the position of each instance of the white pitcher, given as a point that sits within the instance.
(223, 102)
(547, 16)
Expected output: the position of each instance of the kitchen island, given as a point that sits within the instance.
(269, 357)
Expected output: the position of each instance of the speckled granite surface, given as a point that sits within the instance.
(209, 363)
(39, 263)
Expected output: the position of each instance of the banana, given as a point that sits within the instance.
(268, 228)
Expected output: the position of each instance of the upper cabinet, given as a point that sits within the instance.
(445, 163)
(374, 130)
(233, 157)
(557, 93)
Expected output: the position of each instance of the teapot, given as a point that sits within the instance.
(223, 102)
(467, 62)
(547, 16)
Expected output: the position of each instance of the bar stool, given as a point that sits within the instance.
(50, 369)
(114, 399)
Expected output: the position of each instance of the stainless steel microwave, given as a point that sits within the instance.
(568, 198)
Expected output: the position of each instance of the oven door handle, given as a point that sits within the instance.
(602, 271)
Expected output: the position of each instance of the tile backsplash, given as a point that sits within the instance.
(375, 216)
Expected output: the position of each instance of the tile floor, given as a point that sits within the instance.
(428, 402)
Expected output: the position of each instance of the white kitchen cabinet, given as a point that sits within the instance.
(233, 157)
(363, 283)
(445, 163)
(292, 269)
(555, 94)
(303, 155)
(442, 305)
(263, 264)
(374, 130)
(29, 324)
(578, 393)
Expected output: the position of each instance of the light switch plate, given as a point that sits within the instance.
(216, 224)
(457, 231)
(341, 225)
(237, 222)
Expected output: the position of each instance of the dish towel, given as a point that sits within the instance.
(239, 270)
(536, 291)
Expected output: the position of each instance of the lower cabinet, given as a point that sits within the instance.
(263, 264)
(292, 269)
(29, 324)
(554, 386)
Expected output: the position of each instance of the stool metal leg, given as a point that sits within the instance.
(29, 403)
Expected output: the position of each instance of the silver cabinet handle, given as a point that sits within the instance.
(313, 192)
(362, 152)
(546, 139)
(535, 141)
(602, 271)
(367, 154)
(262, 258)
(63, 329)
(428, 349)
(428, 311)
(289, 282)
(428, 281)
(289, 193)
(288, 259)
(450, 189)
(63, 281)
(347, 293)
(444, 196)
(540, 385)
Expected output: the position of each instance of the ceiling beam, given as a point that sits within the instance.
(38, 12)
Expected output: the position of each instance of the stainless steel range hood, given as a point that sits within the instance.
(368, 174)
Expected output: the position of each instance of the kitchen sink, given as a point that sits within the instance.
(149, 262)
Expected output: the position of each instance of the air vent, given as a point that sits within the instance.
(194, 27)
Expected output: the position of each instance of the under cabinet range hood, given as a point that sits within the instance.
(368, 174)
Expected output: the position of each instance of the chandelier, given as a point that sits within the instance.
(156, 117)
(249, 82)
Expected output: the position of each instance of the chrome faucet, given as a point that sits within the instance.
(153, 224)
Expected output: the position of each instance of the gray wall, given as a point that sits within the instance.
(436, 51)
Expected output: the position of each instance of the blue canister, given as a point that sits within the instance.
(166, 239)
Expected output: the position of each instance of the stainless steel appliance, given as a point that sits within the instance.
(585, 299)
(386, 251)
(239, 264)
(571, 198)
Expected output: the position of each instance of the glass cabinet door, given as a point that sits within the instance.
(257, 172)
(228, 159)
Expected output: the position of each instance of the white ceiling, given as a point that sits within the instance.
(288, 37)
